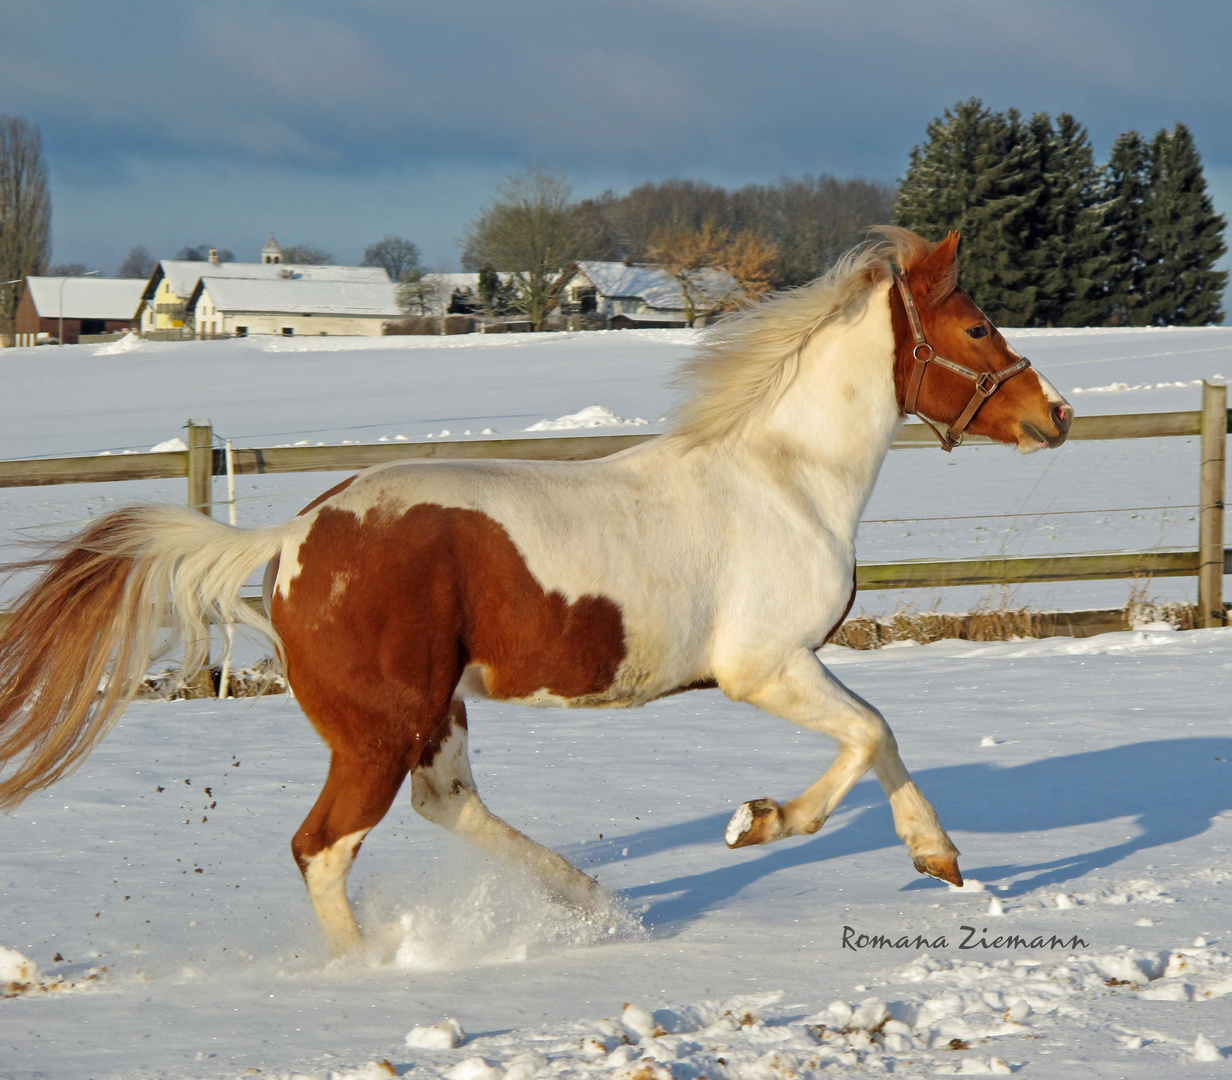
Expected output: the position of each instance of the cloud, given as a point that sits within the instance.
(374, 91)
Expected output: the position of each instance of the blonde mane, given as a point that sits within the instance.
(748, 359)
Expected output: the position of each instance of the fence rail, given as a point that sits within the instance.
(1209, 562)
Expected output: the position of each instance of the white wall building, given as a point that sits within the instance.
(167, 297)
(292, 307)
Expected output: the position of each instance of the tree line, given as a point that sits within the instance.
(1052, 239)
(765, 236)
(1049, 237)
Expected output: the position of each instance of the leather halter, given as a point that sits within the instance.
(986, 382)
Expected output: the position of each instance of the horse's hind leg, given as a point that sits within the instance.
(357, 793)
(443, 791)
(806, 693)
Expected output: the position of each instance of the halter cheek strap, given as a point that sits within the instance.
(986, 382)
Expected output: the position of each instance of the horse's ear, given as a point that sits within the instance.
(937, 272)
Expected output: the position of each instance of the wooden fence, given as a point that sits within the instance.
(1209, 561)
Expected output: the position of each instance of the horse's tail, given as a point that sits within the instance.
(77, 648)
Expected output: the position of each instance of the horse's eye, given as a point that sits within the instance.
(977, 331)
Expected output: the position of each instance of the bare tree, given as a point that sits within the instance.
(531, 231)
(306, 255)
(25, 211)
(138, 263)
(398, 256)
(73, 269)
(201, 253)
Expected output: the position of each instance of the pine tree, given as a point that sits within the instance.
(1123, 207)
(1070, 245)
(1184, 237)
(979, 173)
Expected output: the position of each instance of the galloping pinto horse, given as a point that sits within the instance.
(719, 554)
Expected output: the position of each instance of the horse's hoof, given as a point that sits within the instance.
(756, 822)
(944, 867)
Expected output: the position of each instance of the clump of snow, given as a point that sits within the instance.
(474, 1068)
(130, 342)
(639, 1023)
(169, 446)
(373, 1070)
(16, 968)
(446, 1035)
(593, 416)
(1121, 387)
(19, 975)
(1205, 1050)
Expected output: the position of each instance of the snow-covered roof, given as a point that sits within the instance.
(183, 274)
(86, 297)
(655, 286)
(290, 296)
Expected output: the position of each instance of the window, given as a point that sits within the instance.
(241, 331)
(288, 331)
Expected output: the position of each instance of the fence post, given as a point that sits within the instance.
(1210, 500)
(201, 466)
(200, 497)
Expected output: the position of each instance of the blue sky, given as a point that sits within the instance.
(335, 123)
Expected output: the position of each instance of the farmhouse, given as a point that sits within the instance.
(291, 306)
(165, 299)
(637, 293)
(92, 305)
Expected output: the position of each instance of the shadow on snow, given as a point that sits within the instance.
(1172, 788)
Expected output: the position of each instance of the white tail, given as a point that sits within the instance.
(79, 644)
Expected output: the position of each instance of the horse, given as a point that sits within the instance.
(719, 554)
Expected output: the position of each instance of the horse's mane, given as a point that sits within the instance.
(749, 358)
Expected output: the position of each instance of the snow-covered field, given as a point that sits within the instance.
(1087, 784)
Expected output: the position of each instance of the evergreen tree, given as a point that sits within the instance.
(1184, 237)
(1071, 244)
(1122, 205)
(979, 173)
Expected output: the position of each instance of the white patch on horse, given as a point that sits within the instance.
(338, 586)
(1051, 393)
(288, 563)
(741, 822)
(325, 874)
(444, 792)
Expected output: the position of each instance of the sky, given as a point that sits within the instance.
(334, 124)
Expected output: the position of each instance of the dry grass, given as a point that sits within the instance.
(1009, 624)
(262, 678)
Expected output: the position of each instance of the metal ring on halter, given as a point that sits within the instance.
(923, 345)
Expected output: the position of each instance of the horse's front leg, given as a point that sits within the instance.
(804, 692)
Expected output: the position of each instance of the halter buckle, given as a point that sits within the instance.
(986, 384)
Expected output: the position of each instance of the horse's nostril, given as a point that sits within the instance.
(1062, 416)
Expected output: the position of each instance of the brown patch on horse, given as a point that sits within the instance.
(424, 594)
(335, 490)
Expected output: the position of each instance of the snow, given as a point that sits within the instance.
(86, 297)
(294, 296)
(184, 274)
(593, 416)
(154, 924)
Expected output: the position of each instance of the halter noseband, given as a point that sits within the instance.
(986, 382)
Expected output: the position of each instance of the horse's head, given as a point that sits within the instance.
(953, 367)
